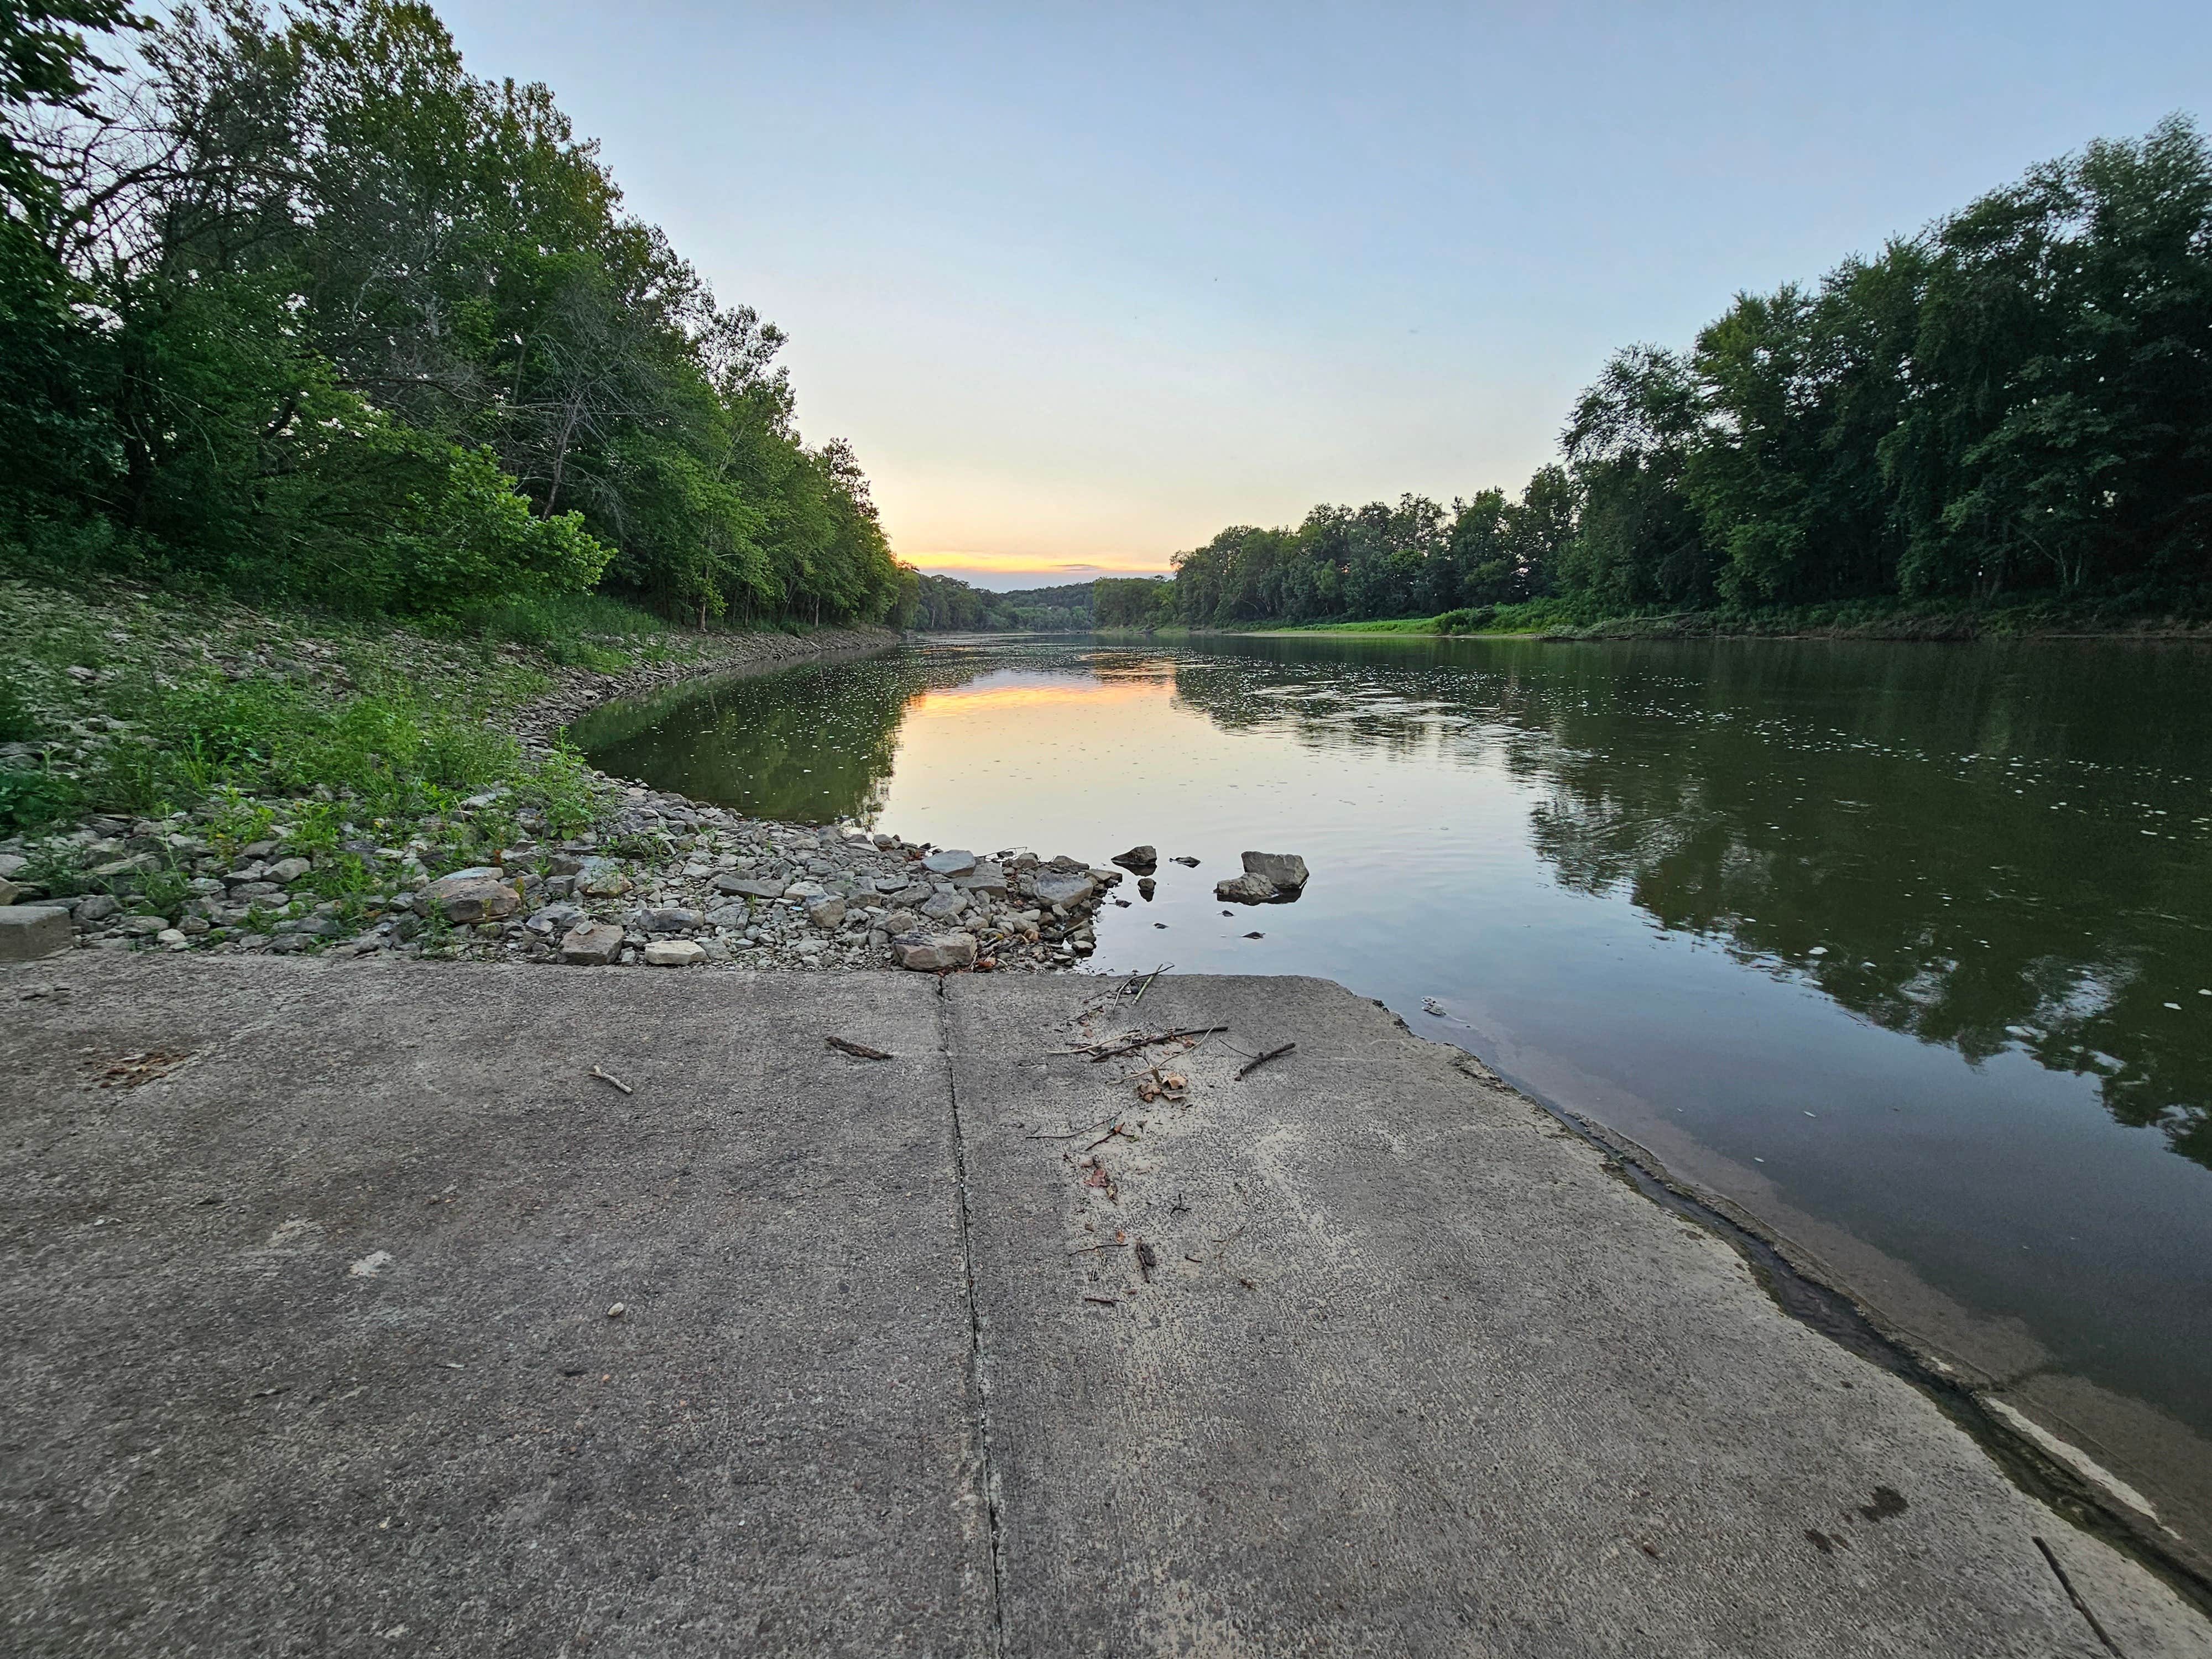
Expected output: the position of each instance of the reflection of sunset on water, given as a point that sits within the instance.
(967, 700)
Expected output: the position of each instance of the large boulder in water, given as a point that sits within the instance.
(1284, 871)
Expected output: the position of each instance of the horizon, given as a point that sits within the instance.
(1082, 291)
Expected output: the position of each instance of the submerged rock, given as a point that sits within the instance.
(1284, 871)
(1244, 889)
(1138, 860)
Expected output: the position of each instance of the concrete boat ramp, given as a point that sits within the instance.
(350, 1312)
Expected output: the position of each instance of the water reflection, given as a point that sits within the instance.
(1981, 848)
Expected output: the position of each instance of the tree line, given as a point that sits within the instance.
(293, 304)
(2015, 403)
(947, 604)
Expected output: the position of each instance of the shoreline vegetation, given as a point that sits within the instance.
(196, 775)
(1874, 620)
(2002, 425)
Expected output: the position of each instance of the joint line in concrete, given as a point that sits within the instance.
(977, 1380)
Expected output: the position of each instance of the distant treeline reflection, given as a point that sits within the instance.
(1922, 876)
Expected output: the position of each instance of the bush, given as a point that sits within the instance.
(17, 723)
(32, 799)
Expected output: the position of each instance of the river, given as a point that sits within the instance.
(1905, 949)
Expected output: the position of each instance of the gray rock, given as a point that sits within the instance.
(593, 944)
(8, 891)
(13, 865)
(674, 953)
(472, 898)
(474, 872)
(943, 907)
(1138, 860)
(899, 922)
(805, 891)
(989, 878)
(673, 919)
(950, 864)
(748, 886)
(827, 912)
(96, 908)
(1145, 888)
(728, 915)
(256, 889)
(1057, 888)
(601, 877)
(290, 870)
(1286, 872)
(935, 953)
(203, 886)
(28, 931)
(137, 863)
(1244, 889)
(143, 926)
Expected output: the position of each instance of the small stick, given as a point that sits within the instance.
(1104, 1301)
(1116, 1130)
(608, 1077)
(1149, 978)
(1252, 1065)
(858, 1050)
(1073, 1134)
(1130, 1046)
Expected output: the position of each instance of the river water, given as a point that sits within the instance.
(1906, 949)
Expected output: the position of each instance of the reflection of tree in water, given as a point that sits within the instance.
(1887, 822)
(807, 744)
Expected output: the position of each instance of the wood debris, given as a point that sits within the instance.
(131, 1070)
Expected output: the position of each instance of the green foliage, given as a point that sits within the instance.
(376, 335)
(396, 753)
(33, 797)
(18, 724)
(2012, 407)
(946, 604)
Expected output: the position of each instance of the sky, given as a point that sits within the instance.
(1084, 284)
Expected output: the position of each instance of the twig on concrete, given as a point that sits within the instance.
(1252, 1065)
(1138, 995)
(1118, 1129)
(858, 1050)
(1104, 1301)
(609, 1077)
(1073, 1134)
(1146, 1261)
(1130, 1045)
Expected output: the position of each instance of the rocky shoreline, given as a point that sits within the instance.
(657, 880)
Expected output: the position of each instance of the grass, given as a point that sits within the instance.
(1874, 619)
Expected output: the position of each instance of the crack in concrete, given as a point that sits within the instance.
(978, 1379)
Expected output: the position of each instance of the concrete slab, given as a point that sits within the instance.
(309, 1349)
(310, 1265)
(1414, 1373)
(30, 930)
